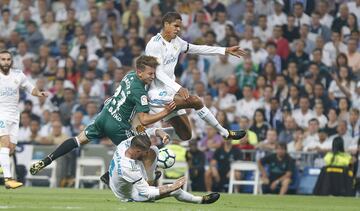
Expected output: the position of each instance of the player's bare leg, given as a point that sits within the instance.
(5, 148)
(204, 113)
(67, 146)
(181, 125)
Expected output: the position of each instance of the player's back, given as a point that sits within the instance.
(9, 93)
(121, 106)
(122, 171)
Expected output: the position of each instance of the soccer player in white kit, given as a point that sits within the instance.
(166, 47)
(128, 176)
(11, 80)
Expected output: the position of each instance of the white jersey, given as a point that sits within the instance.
(9, 93)
(167, 54)
(128, 177)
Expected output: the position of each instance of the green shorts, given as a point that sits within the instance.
(106, 126)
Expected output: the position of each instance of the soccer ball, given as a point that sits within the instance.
(166, 158)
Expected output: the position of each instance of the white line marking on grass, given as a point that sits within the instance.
(67, 207)
(6, 207)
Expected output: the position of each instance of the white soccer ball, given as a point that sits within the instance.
(166, 158)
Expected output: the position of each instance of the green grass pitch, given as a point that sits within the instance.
(29, 198)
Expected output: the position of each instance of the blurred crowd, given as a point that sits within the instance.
(299, 84)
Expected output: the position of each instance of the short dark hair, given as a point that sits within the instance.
(141, 141)
(5, 51)
(170, 17)
(282, 146)
(143, 61)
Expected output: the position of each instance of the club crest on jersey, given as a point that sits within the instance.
(144, 100)
(16, 81)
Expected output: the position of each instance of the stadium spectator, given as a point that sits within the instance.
(217, 176)
(247, 105)
(270, 141)
(196, 161)
(303, 114)
(259, 124)
(281, 167)
(225, 101)
(210, 143)
(286, 135)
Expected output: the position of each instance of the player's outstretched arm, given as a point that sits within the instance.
(147, 119)
(165, 190)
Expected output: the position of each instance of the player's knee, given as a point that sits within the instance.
(196, 102)
(82, 139)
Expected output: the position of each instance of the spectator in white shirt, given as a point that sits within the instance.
(354, 123)
(300, 17)
(49, 28)
(278, 17)
(247, 105)
(219, 25)
(226, 101)
(319, 112)
(350, 143)
(312, 136)
(303, 114)
(259, 54)
(341, 85)
(322, 145)
(6, 24)
(336, 46)
(248, 34)
(263, 31)
(323, 9)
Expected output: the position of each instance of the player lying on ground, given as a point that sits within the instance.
(11, 80)
(114, 119)
(166, 47)
(128, 176)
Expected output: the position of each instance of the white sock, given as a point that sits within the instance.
(206, 115)
(184, 196)
(5, 161)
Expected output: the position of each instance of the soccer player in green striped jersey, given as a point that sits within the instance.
(114, 121)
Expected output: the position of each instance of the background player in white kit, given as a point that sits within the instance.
(166, 47)
(128, 176)
(11, 80)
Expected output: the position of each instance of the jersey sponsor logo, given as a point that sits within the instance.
(170, 60)
(8, 91)
(144, 100)
(163, 93)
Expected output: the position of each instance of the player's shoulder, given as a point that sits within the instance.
(16, 71)
(154, 41)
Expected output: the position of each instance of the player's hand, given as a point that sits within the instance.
(183, 92)
(265, 180)
(165, 139)
(179, 183)
(43, 94)
(170, 107)
(235, 51)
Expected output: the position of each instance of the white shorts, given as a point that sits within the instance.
(9, 128)
(158, 98)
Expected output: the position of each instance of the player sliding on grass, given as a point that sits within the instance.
(114, 119)
(128, 177)
(166, 47)
(11, 80)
